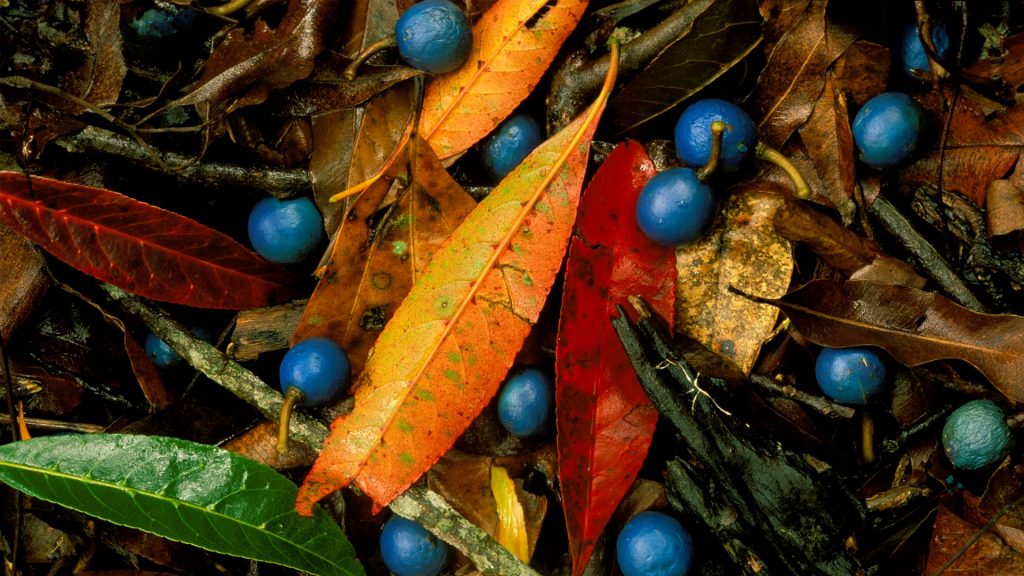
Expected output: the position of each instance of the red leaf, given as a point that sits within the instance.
(605, 420)
(138, 247)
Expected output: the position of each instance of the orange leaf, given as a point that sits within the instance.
(451, 341)
(372, 267)
(512, 48)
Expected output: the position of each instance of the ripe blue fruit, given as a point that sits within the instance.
(434, 36)
(693, 134)
(318, 367)
(886, 130)
(850, 375)
(162, 355)
(976, 435)
(506, 147)
(912, 54)
(409, 549)
(285, 231)
(675, 207)
(654, 544)
(524, 404)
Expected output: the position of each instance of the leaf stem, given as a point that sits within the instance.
(769, 154)
(230, 8)
(717, 130)
(379, 46)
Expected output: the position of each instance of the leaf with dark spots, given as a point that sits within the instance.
(605, 420)
(828, 139)
(793, 78)
(914, 326)
(138, 247)
(380, 250)
(722, 36)
(244, 68)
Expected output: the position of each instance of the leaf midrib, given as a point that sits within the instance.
(171, 501)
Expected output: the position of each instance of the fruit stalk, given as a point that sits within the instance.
(769, 154)
(717, 130)
(293, 397)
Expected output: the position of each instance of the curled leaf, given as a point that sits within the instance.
(511, 519)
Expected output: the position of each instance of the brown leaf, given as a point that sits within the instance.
(323, 95)
(794, 76)
(779, 17)
(99, 77)
(839, 247)
(742, 250)
(1007, 67)
(381, 249)
(25, 280)
(244, 68)
(828, 139)
(260, 444)
(914, 326)
(861, 72)
(977, 150)
(891, 270)
(1004, 204)
(989, 556)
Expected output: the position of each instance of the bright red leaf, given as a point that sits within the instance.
(605, 420)
(138, 247)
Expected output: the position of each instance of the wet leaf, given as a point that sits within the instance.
(193, 493)
(138, 247)
(718, 39)
(1004, 204)
(245, 67)
(742, 251)
(793, 78)
(380, 251)
(912, 325)
(605, 420)
(451, 341)
(514, 42)
(828, 139)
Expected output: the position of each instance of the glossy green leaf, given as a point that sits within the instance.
(192, 493)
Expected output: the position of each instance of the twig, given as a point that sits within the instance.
(55, 425)
(274, 181)
(15, 436)
(927, 258)
(821, 405)
(420, 504)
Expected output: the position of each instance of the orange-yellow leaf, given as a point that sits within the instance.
(514, 42)
(511, 519)
(451, 341)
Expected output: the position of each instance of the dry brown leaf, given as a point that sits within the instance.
(744, 251)
(989, 556)
(861, 72)
(260, 444)
(828, 140)
(1004, 204)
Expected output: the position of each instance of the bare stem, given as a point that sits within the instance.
(717, 130)
(769, 154)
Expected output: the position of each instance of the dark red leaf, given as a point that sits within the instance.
(913, 325)
(138, 247)
(604, 418)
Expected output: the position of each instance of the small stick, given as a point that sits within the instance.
(229, 8)
(821, 405)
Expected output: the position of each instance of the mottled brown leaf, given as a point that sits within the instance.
(828, 139)
(861, 72)
(837, 246)
(1004, 204)
(245, 67)
(744, 251)
(260, 444)
(914, 326)
(794, 76)
(779, 16)
(98, 79)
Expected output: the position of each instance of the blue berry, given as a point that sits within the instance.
(886, 130)
(654, 544)
(524, 404)
(162, 355)
(912, 53)
(285, 231)
(157, 25)
(509, 144)
(318, 367)
(409, 549)
(693, 134)
(434, 36)
(976, 435)
(850, 375)
(675, 207)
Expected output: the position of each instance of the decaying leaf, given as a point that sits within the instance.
(912, 325)
(794, 76)
(722, 36)
(828, 139)
(989, 555)
(380, 251)
(1004, 204)
(741, 251)
(605, 420)
(514, 42)
(451, 341)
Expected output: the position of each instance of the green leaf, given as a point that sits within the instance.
(192, 493)
(722, 36)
